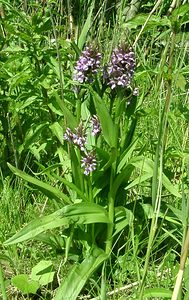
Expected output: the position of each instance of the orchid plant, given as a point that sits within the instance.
(99, 141)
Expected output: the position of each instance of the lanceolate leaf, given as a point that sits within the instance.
(79, 213)
(157, 292)
(126, 155)
(108, 127)
(76, 279)
(70, 119)
(57, 131)
(85, 30)
(46, 188)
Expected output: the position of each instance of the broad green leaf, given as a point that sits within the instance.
(43, 272)
(122, 177)
(126, 155)
(79, 213)
(79, 274)
(157, 292)
(55, 109)
(57, 130)
(25, 284)
(170, 187)
(46, 188)
(85, 30)
(70, 119)
(107, 125)
(24, 103)
(76, 49)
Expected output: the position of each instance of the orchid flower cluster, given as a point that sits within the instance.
(117, 74)
(79, 138)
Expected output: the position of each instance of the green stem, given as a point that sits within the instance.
(90, 190)
(78, 110)
(150, 244)
(111, 200)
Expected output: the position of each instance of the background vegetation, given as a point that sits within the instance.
(118, 233)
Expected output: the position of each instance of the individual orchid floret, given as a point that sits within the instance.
(87, 65)
(89, 163)
(79, 138)
(68, 136)
(119, 72)
(96, 128)
(135, 92)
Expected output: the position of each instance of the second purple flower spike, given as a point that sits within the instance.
(120, 71)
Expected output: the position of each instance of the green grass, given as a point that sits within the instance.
(126, 223)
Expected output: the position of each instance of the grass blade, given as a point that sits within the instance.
(85, 30)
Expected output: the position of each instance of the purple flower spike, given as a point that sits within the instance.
(120, 71)
(96, 129)
(89, 163)
(87, 65)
